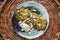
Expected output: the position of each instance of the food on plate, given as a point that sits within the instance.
(25, 27)
(29, 20)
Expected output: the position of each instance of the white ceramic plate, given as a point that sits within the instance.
(43, 12)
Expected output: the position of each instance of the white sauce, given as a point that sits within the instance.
(25, 27)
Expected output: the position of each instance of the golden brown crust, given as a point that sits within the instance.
(38, 22)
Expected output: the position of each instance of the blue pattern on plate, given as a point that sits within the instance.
(15, 24)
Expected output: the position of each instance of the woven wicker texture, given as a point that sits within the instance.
(6, 28)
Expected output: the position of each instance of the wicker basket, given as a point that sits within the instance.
(2, 2)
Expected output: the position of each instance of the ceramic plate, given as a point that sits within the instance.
(35, 33)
